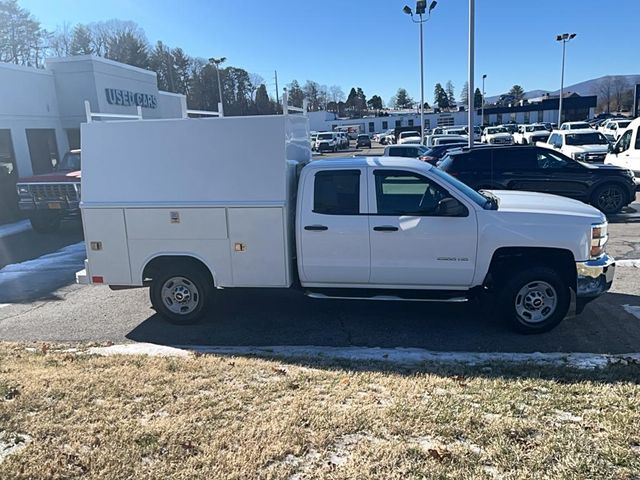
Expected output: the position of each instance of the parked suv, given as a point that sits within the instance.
(49, 198)
(327, 142)
(363, 140)
(544, 170)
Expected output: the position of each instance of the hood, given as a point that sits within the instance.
(499, 135)
(53, 177)
(534, 202)
(587, 148)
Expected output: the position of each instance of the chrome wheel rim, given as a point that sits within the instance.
(180, 295)
(610, 199)
(536, 302)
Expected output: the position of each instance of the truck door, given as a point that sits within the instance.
(411, 243)
(333, 228)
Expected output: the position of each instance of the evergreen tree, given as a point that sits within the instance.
(451, 98)
(464, 94)
(516, 93)
(477, 98)
(295, 93)
(127, 47)
(375, 103)
(440, 97)
(402, 99)
(264, 105)
(81, 41)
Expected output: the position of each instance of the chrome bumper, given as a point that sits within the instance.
(595, 277)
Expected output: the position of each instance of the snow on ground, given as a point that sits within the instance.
(628, 263)
(14, 228)
(391, 355)
(67, 257)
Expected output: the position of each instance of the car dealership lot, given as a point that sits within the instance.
(40, 302)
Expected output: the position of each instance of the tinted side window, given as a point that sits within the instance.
(550, 160)
(479, 160)
(625, 141)
(638, 139)
(337, 192)
(513, 159)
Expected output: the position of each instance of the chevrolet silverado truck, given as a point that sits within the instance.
(530, 134)
(261, 214)
(49, 198)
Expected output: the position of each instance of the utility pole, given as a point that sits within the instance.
(483, 92)
(277, 95)
(471, 106)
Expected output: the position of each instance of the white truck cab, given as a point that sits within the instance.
(586, 145)
(496, 136)
(220, 212)
(626, 151)
(530, 134)
(409, 137)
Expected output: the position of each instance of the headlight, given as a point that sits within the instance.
(23, 189)
(599, 239)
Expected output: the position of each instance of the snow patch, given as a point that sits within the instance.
(628, 263)
(14, 228)
(4, 305)
(12, 443)
(633, 310)
(386, 355)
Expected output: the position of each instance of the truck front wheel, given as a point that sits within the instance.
(535, 300)
(182, 295)
(45, 222)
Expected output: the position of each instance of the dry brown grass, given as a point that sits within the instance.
(215, 417)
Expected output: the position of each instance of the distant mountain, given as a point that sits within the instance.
(588, 87)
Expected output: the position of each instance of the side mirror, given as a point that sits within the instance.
(450, 207)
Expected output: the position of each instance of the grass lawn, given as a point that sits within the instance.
(65, 415)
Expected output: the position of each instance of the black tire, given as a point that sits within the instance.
(541, 284)
(199, 298)
(45, 223)
(609, 198)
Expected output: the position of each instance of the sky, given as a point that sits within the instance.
(374, 45)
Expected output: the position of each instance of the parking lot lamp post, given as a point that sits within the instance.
(564, 38)
(421, 7)
(216, 63)
(483, 77)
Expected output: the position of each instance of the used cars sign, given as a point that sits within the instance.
(127, 98)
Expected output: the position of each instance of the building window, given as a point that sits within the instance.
(372, 127)
(427, 124)
(337, 192)
(499, 118)
(540, 116)
(512, 117)
(398, 123)
(411, 122)
(73, 137)
(43, 149)
(385, 125)
(527, 117)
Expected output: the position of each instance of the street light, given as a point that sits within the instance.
(483, 92)
(564, 38)
(216, 62)
(421, 6)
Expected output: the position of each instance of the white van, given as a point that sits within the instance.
(626, 151)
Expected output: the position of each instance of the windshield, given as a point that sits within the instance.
(576, 126)
(624, 124)
(595, 138)
(536, 128)
(497, 130)
(325, 136)
(465, 189)
(69, 163)
(409, 134)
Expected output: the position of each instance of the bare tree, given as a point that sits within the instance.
(336, 94)
(255, 81)
(604, 91)
(61, 40)
(620, 87)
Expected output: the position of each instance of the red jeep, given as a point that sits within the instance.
(51, 197)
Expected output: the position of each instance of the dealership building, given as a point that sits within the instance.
(41, 109)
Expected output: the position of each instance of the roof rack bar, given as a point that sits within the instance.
(91, 115)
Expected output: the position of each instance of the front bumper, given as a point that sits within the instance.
(62, 207)
(594, 277)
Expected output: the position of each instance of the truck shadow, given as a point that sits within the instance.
(271, 318)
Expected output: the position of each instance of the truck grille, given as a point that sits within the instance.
(54, 191)
(596, 157)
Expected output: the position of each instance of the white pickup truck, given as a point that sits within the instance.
(530, 134)
(202, 210)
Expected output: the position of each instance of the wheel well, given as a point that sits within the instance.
(164, 262)
(509, 259)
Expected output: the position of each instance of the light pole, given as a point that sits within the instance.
(564, 38)
(216, 62)
(471, 107)
(421, 7)
(483, 92)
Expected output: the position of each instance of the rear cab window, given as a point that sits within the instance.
(337, 192)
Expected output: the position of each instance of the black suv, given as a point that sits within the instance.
(538, 169)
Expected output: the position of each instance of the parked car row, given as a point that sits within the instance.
(329, 141)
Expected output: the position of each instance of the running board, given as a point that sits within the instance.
(386, 298)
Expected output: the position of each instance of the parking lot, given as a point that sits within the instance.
(40, 302)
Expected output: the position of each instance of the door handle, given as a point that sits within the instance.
(316, 228)
(385, 228)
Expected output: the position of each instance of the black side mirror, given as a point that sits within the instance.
(450, 207)
(610, 148)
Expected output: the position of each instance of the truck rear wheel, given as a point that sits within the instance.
(45, 222)
(181, 294)
(535, 300)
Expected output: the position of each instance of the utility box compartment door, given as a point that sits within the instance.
(107, 251)
(258, 249)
